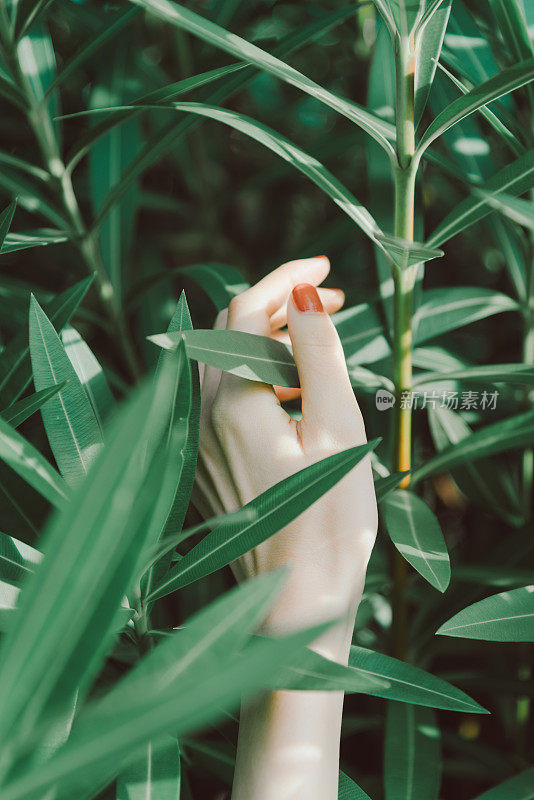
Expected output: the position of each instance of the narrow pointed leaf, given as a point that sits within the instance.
(507, 373)
(69, 419)
(274, 509)
(520, 787)
(156, 774)
(444, 310)
(404, 253)
(28, 462)
(90, 374)
(348, 790)
(384, 486)
(6, 217)
(221, 282)
(512, 433)
(506, 81)
(514, 179)
(25, 241)
(504, 617)
(16, 413)
(17, 559)
(182, 17)
(430, 44)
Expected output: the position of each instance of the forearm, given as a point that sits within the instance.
(288, 745)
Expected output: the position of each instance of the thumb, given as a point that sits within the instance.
(328, 400)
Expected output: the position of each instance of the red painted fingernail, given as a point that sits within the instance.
(314, 257)
(306, 298)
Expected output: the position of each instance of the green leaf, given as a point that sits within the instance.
(412, 753)
(302, 161)
(187, 408)
(504, 617)
(520, 211)
(17, 559)
(16, 413)
(313, 672)
(92, 46)
(491, 488)
(182, 17)
(511, 20)
(71, 426)
(405, 253)
(257, 358)
(109, 160)
(512, 433)
(12, 93)
(28, 462)
(362, 334)
(274, 509)
(6, 217)
(520, 787)
(409, 684)
(514, 179)
(405, 13)
(177, 693)
(444, 310)
(90, 374)
(415, 532)
(506, 81)
(384, 486)
(348, 790)
(430, 42)
(15, 366)
(37, 61)
(220, 282)
(92, 553)
(155, 775)
(521, 374)
(24, 241)
(164, 139)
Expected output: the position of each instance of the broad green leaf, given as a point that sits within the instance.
(302, 161)
(429, 44)
(92, 552)
(504, 617)
(415, 532)
(520, 787)
(15, 366)
(257, 358)
(109, 159)
(506, 81)
(162, 696)
(220, 282)
(521, 374)
(25, 241)
(313, 672)
(16, 413)
(447, 309)
(164, 139)
(512, 433)
(275, 509)
(154, 775)
(90, 374)
(514, 179)
(404, 253)
(6, 217)
(71, 426)
(28, 462)
(182, 17)
(412, 753)
(348, 790)
(409, 684)
(482, 482)
(17, 559)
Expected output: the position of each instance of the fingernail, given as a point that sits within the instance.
(314, 257)
(307, 298)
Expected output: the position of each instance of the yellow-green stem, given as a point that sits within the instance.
(404, 174)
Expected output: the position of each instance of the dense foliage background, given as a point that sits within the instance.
(166, 201)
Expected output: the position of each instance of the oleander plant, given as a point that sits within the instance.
(156, 158)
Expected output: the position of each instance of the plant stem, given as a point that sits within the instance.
(43, 131)
(404, 174)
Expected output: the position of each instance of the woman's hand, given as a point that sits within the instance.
(248, 443)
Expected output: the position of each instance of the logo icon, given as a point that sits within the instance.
(384, 400)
